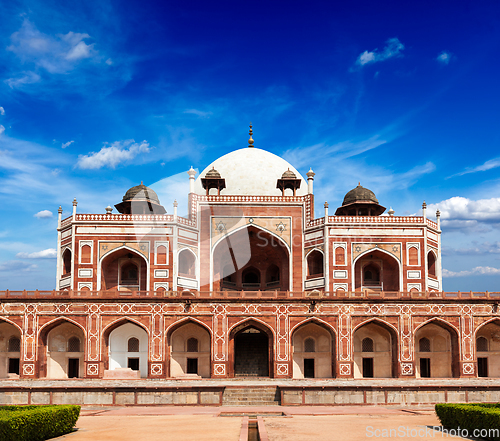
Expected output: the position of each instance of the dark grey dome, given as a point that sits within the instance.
(141, 193)
(359, 194)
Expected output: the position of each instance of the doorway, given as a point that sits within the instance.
(482, 367)
(251, 353)
(425, 368)
(192, 366)
(367, 367)
(73, 367)
(308, 367)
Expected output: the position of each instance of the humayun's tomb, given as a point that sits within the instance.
(250, 284)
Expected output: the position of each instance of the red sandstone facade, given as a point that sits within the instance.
(249, 284)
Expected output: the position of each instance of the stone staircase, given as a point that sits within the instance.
(251, 396)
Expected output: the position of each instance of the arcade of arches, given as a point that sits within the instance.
(252, 346)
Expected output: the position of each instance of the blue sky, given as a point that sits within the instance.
(98, 96)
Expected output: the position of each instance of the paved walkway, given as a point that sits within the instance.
(300, 423)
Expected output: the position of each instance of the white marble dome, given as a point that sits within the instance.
(251, 171)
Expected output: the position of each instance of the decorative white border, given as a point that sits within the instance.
(340, 286)
(468, 368)
(159, 285)
(219, 369)
(84, 285)
(85, 273)
(340, 274)
(413, 245)
(156, 369)
(340, 245)
(406, 368)
(93, 369)
(158, 244)
(417, 286)
(282, 368)
(344, 369)
(413, 274)
(187, 283)
(314, 283)
(90, 243)
(159, 272)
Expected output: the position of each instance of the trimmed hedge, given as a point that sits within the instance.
(471, 416)
(36, 423)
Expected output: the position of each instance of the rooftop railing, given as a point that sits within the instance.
(270, 294)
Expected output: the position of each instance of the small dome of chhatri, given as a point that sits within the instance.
(359, 194)
(141, 193)
(288, 175)
(213, 174)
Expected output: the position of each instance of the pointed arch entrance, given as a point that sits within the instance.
(251, 259)
(124, 270)
(251, 350)
(313, 346)
(10, 349)
(377, 270)
(375, 350)
(437, 351)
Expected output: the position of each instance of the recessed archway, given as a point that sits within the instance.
(487, 342)
(10, 350)
(127, 347)
(124, 270)
(251, 259)
(62, 356)
(189, 344)
(313, 347)
(436, 350)
(251, 350)
(377, 271)
(375, 347)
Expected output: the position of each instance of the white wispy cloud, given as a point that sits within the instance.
(2, 111)
(55, 54)
(17, 265)
(488, 165)
(2, 129)
(444, 57)
(44, 214)
(459, 208)
(23, 79)
(478, 270)
(392, 49)
(301, 156)
(49, 253)
(485, 248)
(110, 156)
(66, 144)
(197, 112)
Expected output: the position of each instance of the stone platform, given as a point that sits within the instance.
(211, 392)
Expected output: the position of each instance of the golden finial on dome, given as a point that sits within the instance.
(250, 141)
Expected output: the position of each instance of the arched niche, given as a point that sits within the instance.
(64, 358)
(66, 262)
(375, 351)
(251, 259)
(436, 351)
(187, 264)
(10, 350)
(124, 270)
(251, 350)
(190, 350)
(315, 264)
(431, 264)
(377, 271)
(119, 340)
(313, 351)
(488, 350)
